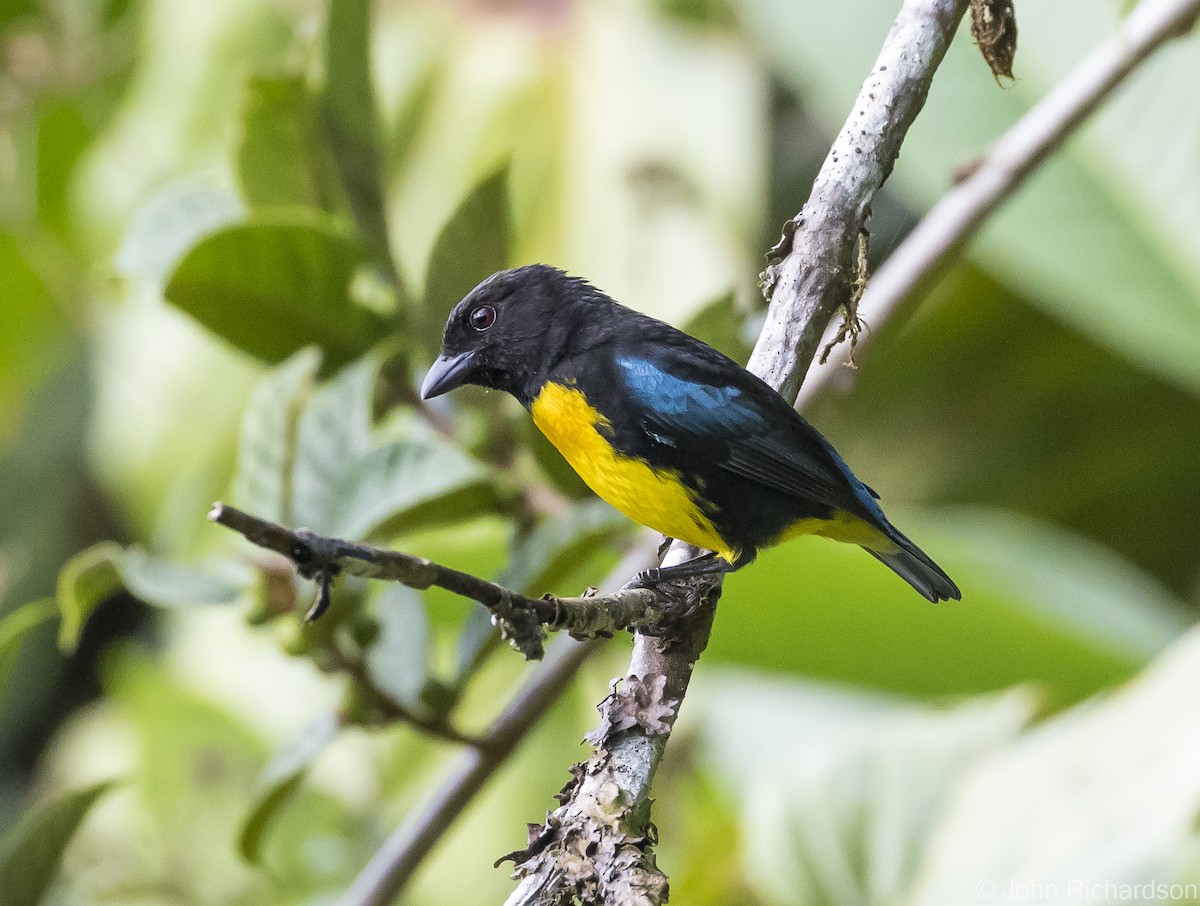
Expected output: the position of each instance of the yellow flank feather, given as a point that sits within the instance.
(844, 527)
(654, 497)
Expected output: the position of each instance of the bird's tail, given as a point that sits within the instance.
(913, 565)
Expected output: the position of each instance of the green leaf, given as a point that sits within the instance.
(406, 484)
(31, 852)
(333, 436)
(262, 479)
(351, 120)
(166, 583)
(474, 244)
(88, 578)
(281, 780)
(1108, 219)
(841, 790)
(555, 548)
(398, 660)
(1071, 582)
(91, 577)
(172, 220)
(273, 287)
(722, 325)
(15, 626)
(346, 485)
(283, 158)
(1105, 794)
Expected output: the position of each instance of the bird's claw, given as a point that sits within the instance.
(647, 578)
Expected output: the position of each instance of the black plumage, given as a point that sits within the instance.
(671, 413)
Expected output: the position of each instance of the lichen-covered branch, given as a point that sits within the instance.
(597, 846)
(522, 620)
(812, 270)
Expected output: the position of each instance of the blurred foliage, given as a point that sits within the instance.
(230, 232)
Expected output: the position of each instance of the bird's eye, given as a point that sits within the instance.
(482, 317)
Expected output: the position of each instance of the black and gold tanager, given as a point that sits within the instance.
(665, 428)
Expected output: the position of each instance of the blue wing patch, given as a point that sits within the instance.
(688, 406)
(756, 447)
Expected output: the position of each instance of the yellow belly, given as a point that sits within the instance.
(654, 497)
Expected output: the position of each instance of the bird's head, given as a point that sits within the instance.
(508, 332)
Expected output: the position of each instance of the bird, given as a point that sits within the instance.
(666, 429)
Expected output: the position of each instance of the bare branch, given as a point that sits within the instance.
(1010, 160)
(521, 619)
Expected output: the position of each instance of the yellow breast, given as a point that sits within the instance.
(654, 497)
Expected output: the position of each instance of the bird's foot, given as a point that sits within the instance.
(705, 565)
(680, 601)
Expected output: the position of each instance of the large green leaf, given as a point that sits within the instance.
(333, 437)
(283, 158)
(1105, 795)
(262, 479)
(351, 483)
(166, 583)
(1104, 235)
(171, 221)
(398, 659)
(272, 287)
(31, 852)
(404, 484)
(472, 245)
(351, 120)
(1039, 605)
(281, 779)
(841, 791)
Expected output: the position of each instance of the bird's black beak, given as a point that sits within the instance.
(446, 373)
